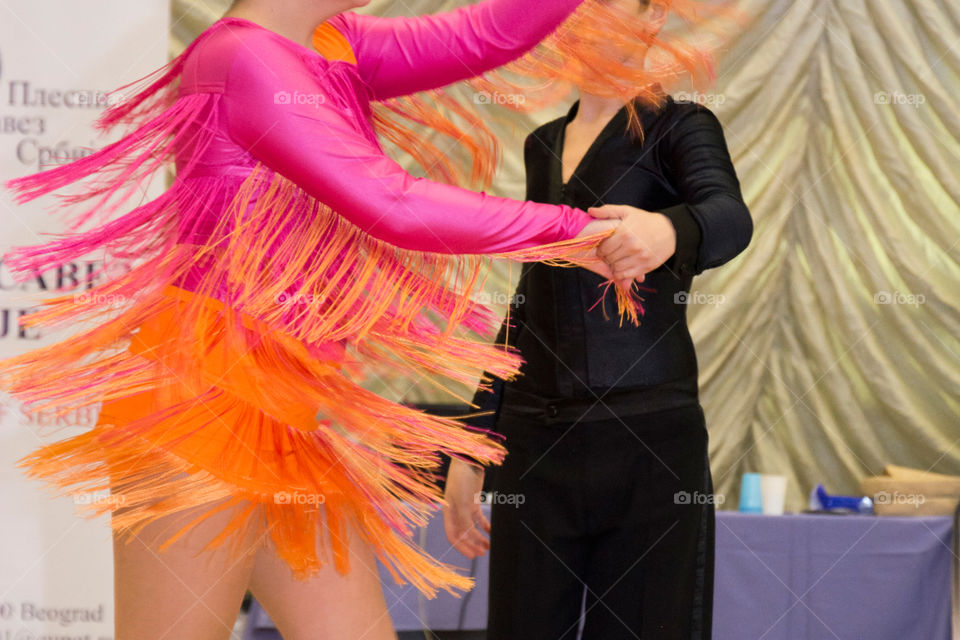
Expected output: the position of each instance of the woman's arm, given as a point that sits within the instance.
(700, 169)
(310, 138)
(399, 56)
(710, 226)
(463, 518)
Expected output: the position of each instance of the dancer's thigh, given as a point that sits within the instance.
(329, 606)
(183, 592)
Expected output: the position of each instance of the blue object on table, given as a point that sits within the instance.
(751, 494)
(821, 501)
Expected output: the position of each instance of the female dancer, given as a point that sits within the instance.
(606, 437)
(289, 257)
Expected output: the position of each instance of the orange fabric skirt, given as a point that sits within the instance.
(229, 415)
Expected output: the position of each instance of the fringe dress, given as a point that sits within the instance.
(290, 259)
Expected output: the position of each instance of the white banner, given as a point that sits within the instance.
(58, 60)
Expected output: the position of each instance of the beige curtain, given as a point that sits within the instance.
(830, 347)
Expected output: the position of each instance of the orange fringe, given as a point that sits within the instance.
(231, 405)
(590, 50)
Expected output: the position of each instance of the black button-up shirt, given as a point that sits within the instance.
(574, 346)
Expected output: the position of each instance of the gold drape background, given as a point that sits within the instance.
(830, 347)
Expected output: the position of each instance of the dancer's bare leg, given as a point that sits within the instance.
(178, 594)
(328, 606)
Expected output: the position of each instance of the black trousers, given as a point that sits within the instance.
(615, 516)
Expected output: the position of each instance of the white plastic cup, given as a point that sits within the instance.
(773, 488)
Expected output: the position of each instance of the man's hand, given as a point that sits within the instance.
(643, 241)
(463, 518)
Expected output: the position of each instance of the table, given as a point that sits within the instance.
(818, 577)
(792, 577)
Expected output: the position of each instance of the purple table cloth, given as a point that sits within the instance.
(793, 577)
(814, 577)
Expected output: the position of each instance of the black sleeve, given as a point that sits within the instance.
(486, 401)
(489, 402)
(684, 260)
(713, 223)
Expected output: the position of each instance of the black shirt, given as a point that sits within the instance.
(574, 346)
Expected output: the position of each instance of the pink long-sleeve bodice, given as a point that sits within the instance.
(309, 119)
(283, 191)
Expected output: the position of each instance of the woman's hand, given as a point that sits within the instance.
(463, 518)
(643, 241)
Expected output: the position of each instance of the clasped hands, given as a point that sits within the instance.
(641, 242)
